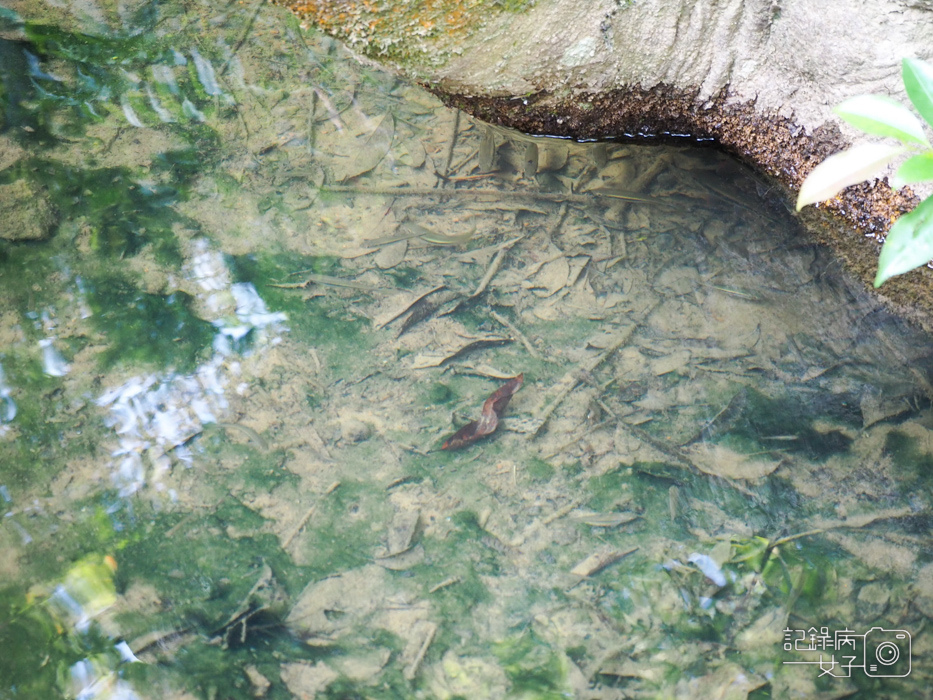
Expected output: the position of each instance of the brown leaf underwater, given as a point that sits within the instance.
(493, 408)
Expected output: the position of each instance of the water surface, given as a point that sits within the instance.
(272, 284)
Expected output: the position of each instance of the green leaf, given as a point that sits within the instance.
(846, 168)
(909, 243)
(918, 82)
(916, 169)
(881, 116)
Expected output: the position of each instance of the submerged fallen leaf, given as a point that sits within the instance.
(603, 519)
(493, 409)
(550, 278)
(718, 460)
(487, 151)
(530, 159)
(599, 560)
(436, 356)
(401, 532)
(370, 151)
(391, 255)
(403, 560)
(412, 153)
(400, 304)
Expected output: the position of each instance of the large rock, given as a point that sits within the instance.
(758, 76)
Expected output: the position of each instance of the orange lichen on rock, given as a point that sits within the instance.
(395, 31)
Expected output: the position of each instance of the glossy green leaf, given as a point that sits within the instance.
(909, 243)
(916, 169)
(846, 168)
(881, 116)
(918, 82)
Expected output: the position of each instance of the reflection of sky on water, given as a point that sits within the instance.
(7, 405)
(729, 373)
(155, 416)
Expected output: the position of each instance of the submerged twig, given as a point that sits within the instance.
(298, 528)
(385, 321)
(306, 517)
(571, 379)
(645, 178)
(561, 512)
(723, 420)
(598, 561)
(852, 523)
(518, 334)
(324, 279)
(587, 198)
(791, 538)
(494, 266)
(253, 436)
(576, 439)
(623, 248)
(412, 669)
(242, 39)
(444, 584)
(312, 123)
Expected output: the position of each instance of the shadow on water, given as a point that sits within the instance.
(248, 288)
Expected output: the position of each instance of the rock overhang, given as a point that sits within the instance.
(757, 77)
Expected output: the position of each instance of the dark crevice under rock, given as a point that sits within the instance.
(853, 224)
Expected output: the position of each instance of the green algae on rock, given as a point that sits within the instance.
(26, 212)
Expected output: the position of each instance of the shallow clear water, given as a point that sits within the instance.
(275, 282)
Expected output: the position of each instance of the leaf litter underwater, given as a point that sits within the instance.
(720, 447)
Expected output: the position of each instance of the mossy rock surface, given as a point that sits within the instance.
(25, 212)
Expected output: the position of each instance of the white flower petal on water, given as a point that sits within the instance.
(7, 406)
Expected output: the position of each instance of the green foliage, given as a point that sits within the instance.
(909, 243)
(43, 637)
(121, 213)
(881, 116)
(56, 83)
(172, 331)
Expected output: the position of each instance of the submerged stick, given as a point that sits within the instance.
(444, 584)
(253, 436)
(306, 517)
(518, 334)
(482, 192)
(412, 669)
(324, 279)
(571, 379)
(494, 266)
